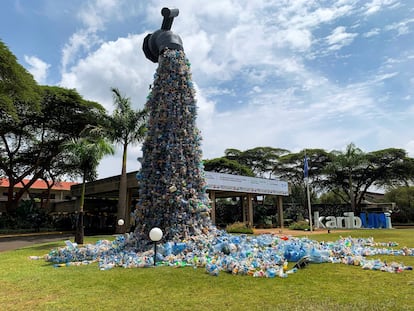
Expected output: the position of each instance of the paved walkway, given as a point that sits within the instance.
(12, 242)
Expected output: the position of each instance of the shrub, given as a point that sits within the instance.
(300, 225)
(239, 227)
(28, 217)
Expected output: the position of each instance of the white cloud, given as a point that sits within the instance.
(38, 68)
(300, 39)
(79, 44)
(309, 15)
(402, 27)
(339, 38)
(96, 14)
(376, 5)
(118, 64)
(385, 76)
(409, 147)
(373, 32)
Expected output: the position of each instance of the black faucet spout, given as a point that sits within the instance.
(155, 43)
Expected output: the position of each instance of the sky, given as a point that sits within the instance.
(289, 74)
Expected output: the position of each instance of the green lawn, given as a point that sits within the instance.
(36, 285)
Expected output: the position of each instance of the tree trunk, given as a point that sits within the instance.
(351, 194)
(79, 234)
(122, 199)
(13, 198)
(12, 203)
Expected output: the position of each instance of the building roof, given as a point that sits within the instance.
(40, 184)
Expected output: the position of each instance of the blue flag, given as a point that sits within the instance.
(305, 167)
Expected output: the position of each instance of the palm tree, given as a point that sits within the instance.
(85, 153)
(128, 128)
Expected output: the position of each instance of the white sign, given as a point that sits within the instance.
(228, 182)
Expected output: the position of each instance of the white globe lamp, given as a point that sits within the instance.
(155, 235)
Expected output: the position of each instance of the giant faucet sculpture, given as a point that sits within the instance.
(172, 187)
(163, 38)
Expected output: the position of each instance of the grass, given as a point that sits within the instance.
(239, 227)
(36, 285)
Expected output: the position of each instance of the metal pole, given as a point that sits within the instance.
(155, 252)
(306, 180)
(309, 204)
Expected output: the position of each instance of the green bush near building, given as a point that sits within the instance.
(239, 227)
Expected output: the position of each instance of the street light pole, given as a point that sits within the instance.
(155, 235)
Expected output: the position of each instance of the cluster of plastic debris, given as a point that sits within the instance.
(263, 255)
(172, 187)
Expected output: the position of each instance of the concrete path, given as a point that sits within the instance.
(12, 242)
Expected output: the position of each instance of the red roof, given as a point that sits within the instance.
(40, 184)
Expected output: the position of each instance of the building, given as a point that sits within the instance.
(59, 192)
(103, 193)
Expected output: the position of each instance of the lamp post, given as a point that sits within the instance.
(155, 235)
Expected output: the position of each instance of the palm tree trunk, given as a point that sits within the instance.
(122, 200)
(79, 223)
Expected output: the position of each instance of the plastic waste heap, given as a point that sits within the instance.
(172, 187)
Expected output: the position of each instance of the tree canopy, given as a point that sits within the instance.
(260, 160)
(17, 86)
(403, 197)
(353, 172)
(224, 165)
(32, 145)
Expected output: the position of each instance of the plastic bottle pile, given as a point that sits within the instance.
(172, 187)
(258, 256)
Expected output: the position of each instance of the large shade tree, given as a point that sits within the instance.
(224, 165)
(18, 89)
(260, 160)
(128, 127)
(31, 144)
(403, 197)
(352, 173)
(290, 167)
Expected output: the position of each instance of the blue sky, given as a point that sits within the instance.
(289, 74)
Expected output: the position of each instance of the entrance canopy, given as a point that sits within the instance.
(219, 185)
(220, 182)
(223, 184)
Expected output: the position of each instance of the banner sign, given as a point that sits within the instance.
(228, 182)
(350, 221)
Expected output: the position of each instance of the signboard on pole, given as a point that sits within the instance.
(228, 182)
